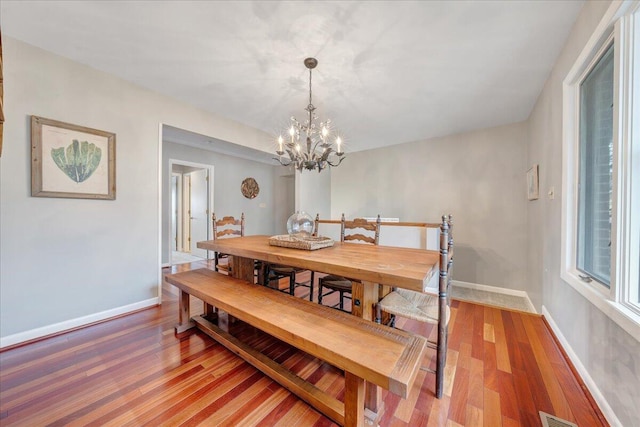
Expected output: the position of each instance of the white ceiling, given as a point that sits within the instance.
(389, 71)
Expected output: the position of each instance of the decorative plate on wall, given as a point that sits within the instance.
(250, 188)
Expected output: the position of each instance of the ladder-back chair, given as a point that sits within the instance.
(225, 228)
(357, 231)
(426, 307)
(275, 272)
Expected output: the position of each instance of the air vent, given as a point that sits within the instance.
(549, 420)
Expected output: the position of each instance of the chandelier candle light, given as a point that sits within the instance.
(318, 152)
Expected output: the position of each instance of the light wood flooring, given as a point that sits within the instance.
(502, 368)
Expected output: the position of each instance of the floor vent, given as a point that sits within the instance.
(549, 420)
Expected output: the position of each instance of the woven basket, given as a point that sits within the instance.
(308, 243)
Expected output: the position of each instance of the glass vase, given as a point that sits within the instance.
(300, 223)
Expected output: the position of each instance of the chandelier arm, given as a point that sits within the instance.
(335, 164)
(281, 162)
(291, 155)
(325, 155)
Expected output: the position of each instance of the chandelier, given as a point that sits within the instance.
(317, 151)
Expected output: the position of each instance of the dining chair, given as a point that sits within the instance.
(358, 230)
(275, 272)
(428, 307)
(226, 227)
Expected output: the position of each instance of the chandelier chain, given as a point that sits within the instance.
(310, 73)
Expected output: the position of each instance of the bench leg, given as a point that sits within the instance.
(353, 400)
(373, 403)
(184, 313)
(364, 298)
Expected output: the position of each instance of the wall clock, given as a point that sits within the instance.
(249, 188)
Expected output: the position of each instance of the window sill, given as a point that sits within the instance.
(618, 313)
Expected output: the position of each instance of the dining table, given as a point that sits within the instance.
(373, 269)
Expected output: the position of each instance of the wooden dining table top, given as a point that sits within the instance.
(407, 268)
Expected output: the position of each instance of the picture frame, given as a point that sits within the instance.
(533, 191)
(72, 161)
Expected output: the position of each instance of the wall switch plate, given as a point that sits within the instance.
(262, 205)
(551, 193)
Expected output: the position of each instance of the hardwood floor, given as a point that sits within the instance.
(502, 368)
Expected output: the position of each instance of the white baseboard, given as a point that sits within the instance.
(496, 289)
(584, 373)
(74, 323)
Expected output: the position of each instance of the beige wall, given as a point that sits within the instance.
(478, 177)
(609, 354)
(313, 192)
(65, 262)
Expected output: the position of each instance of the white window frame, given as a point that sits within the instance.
(619, 25)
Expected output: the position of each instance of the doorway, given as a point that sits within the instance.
(191, 205)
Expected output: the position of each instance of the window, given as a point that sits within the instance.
(596, 171)
(601, 168)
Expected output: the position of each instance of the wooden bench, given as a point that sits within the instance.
(364, 350)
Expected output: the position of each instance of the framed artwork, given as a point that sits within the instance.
(72, 161)
(532, 183)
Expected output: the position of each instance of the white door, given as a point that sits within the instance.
(199, 211)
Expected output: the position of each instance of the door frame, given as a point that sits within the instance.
(211, 186)
(178, 236)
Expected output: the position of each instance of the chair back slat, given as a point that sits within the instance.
(361, 223)
(227, 220)
(228, 232)
(359, 237)
(227, 226)
(357, 225)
